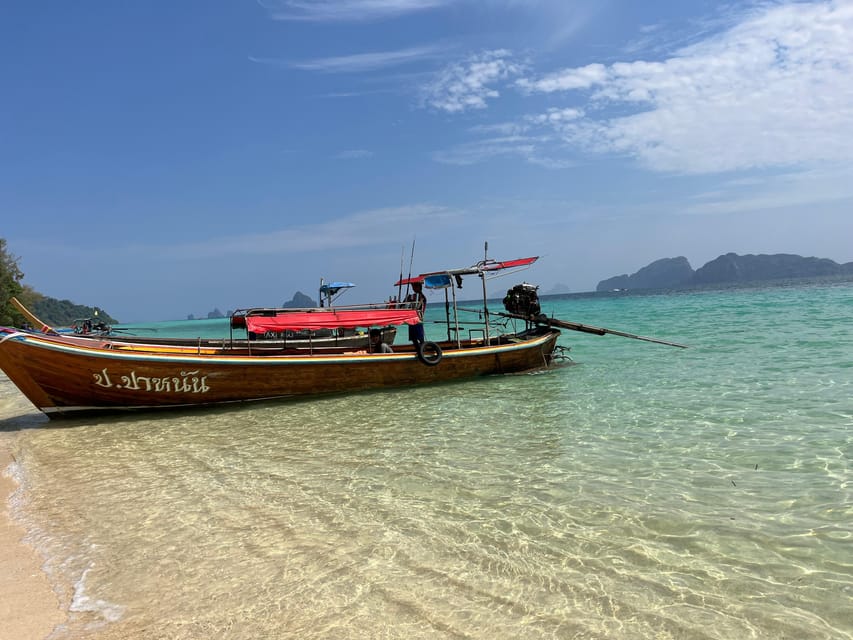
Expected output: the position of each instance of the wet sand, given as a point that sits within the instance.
(29, 608)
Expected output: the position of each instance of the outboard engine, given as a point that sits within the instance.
(523, 300)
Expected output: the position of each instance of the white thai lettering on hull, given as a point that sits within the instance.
(186, 382)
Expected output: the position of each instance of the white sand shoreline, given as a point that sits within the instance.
(29, 608)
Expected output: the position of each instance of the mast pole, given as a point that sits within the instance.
(411, 261)
(485, 297)
(400, 286)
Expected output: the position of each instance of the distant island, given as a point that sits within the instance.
(299, 301)
(675, 273)
(557, 289)
(211, 315)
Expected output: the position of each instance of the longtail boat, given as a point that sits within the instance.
(66, 375)
(61, 378)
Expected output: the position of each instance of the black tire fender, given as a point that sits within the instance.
(429, 353)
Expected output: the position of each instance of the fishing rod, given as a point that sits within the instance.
(577, 326)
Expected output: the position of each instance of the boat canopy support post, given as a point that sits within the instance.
(485, 295)
(456, 319)
(445, 281)
(447, 312)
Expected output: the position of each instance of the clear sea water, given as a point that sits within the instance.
(647, 492)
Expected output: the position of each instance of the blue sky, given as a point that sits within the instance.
(165, 158)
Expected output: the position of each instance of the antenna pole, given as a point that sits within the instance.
(400, 286)
(411, 260)
(485, 297)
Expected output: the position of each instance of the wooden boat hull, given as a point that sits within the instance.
(62, 378)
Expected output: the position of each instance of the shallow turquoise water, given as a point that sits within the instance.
(647, 492)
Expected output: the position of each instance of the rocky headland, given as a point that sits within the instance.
(731, 268)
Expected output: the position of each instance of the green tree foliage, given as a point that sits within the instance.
(63, 313)
(10, 285)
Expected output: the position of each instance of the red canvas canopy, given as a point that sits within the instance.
(488, 265)
(507, 264)
(331, 319)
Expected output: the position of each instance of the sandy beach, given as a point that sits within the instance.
(29, 608)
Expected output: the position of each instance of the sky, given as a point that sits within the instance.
(160, 159)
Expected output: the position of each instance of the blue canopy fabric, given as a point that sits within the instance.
(438, 281)
(331, 288)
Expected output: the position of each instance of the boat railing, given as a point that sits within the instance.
(275, 311)
(327, 322)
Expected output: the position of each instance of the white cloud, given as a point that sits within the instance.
(531, 149)
(479, 150)
(501, 128)
(567, 79)
(347, 10)
(468, 85)
(804, 188)
(359, 229)
(775, 90)
(363, 228)
(556, 117)
(354, 154)
(360, 62)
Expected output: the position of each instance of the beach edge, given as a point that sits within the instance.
(29, 607)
